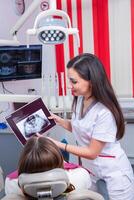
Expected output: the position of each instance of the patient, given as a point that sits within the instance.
(39, 155)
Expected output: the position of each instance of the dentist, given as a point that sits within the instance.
(97, 124)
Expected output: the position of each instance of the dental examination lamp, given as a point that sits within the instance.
(51, 26)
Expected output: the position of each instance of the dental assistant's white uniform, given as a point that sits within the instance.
(112, 165)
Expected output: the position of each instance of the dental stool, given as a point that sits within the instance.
(50, 185)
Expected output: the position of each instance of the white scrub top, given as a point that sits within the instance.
(99, 123)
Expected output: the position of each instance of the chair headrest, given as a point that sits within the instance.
(56, 180)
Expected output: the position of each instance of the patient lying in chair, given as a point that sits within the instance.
(42, 155)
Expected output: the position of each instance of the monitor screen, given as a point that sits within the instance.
(20, 62)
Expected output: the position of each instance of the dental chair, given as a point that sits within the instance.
(50, 185)
(1, 180)
(1, 183)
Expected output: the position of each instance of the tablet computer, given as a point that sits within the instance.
(30, 119)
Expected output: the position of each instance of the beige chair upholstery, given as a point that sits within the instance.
(50, 185)
(84, 195)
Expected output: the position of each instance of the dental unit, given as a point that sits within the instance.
(51, 27)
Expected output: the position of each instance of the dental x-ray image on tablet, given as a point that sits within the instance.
(33, 124)
(29, 120)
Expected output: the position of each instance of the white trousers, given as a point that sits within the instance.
(118, 188)
(121, 188)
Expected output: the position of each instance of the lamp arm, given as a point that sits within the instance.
(24, 17)
(75, 32)
(9, 42)
(52, 4)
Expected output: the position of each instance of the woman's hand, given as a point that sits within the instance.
(59, 144)
(65, 123)
(57, 119)
(53, 140)
(38, 135)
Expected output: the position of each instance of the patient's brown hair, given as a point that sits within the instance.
(39, 154)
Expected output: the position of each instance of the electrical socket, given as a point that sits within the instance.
(31, 90)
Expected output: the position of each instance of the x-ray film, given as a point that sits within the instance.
(29, 120)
